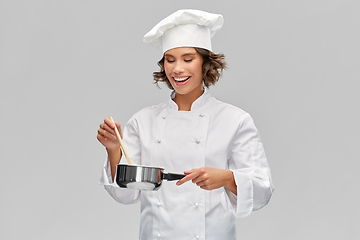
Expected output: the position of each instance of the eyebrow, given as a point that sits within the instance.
(184, 55)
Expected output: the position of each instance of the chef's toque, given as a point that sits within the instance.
(185, 28)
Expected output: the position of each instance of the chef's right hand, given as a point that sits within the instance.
(107, 136)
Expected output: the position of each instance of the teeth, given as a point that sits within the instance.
(180, 79)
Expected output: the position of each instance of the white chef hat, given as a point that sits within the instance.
(185, 28)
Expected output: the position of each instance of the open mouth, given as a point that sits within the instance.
(181, 80)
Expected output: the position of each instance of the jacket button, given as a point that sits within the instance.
(159, 141)
(197, 237)
(164, 117)
(197, 141)
(159, 235)
(201, 115)
(158, 203)
(196, 205)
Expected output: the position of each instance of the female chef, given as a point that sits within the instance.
(215, 144)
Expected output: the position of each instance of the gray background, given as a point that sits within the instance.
(66, 65)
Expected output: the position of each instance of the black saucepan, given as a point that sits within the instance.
(143, 177)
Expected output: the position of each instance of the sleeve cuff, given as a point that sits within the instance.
(106, 178)
(241, 205)
(122, 195)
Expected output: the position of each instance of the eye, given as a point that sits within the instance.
(170, 61)
(188, 60)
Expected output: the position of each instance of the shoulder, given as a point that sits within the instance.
(234, 118)
(226, 109)
(148, 113)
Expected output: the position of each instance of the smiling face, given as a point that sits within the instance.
(183, 68)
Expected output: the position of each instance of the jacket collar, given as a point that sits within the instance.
(197, 104)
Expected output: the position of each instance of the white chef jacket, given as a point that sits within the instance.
(213, 134)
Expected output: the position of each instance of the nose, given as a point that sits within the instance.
(178, 67)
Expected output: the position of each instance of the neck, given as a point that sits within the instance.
(185, 101)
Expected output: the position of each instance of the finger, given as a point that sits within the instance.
(118, 126)
(187, 178)
(200, 170)
(189, 172)
(106, 127)
(205, 187)
(200, 175)
(198, 179)
(110, 126)
(102, 139)
(109, 122)
(106, 134)
(201, 184)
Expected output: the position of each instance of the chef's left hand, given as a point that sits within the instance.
(210, 178)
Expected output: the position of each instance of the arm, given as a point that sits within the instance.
(107, 137)
(247, 182)
(251, 171)
(210, 178)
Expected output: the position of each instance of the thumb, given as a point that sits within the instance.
(118, 126)
(189, 171)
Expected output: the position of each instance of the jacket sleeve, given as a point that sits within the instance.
(132, 145)
(251, 172)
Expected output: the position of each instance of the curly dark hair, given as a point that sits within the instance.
(213, 65)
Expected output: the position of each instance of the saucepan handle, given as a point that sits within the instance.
(173, 176)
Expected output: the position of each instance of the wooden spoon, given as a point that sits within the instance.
(121, 143)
